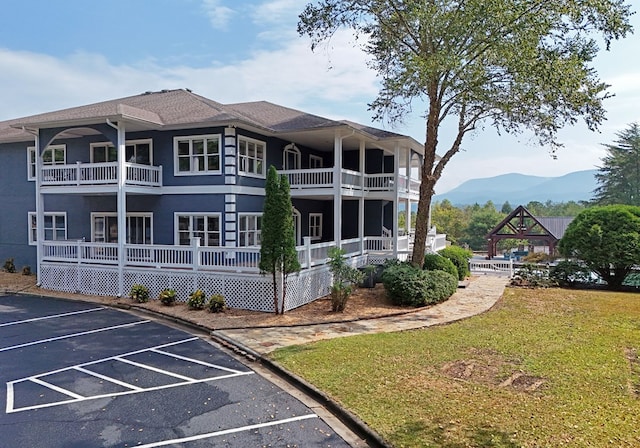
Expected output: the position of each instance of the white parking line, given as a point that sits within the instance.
(73, 335)
(227, 431)
(153, 369)
(53, 316)
(107, 378)
(195, 361)
(57, 389)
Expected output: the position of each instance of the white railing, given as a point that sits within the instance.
(379, 182)
(303, 179)
(492, 266)
(100, 174)
(80, 252)
(351, 179)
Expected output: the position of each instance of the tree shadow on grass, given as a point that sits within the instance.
(440, 435)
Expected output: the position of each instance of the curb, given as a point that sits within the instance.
(354, 423)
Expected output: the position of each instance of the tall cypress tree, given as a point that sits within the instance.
(277, 247)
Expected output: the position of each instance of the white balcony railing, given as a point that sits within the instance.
(100, 174)
(323, 178)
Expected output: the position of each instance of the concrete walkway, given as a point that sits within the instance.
(479, 296)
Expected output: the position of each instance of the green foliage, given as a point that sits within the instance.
(481, 221)
(196, 300)
(26, 270)
(568, 273)
(619, 175)
(9, 266)
(167, 297)
(518, 66)
(139, 293)
(537, 257)
(449, 220)
(532, 276)
(407, 285)
(216, 303)
(459, 256)
(506, 208)
(435, 262)
(278, 245)
(606, 239)
(345, 277)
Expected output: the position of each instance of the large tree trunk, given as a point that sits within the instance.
(428, 181)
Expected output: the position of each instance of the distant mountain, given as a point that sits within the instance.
(520, 189)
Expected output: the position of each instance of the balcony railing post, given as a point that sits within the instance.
(307, 250)
(78, 170)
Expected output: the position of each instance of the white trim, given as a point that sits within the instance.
(32, 241)
(190, 139)
(317, 159)
(263, 174)
(30, 164)
(191, 215)
(291, 149)
(256, 232)
(315, 226)
(297, 225)
(213, 189)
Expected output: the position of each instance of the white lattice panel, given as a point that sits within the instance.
(59, 277)
(249, 291)
(98, 281)
(307, 286)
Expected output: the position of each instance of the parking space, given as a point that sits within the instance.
(77, 375)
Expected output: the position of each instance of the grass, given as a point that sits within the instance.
(544, 368)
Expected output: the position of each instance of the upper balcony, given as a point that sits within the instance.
(99, 177)
(319, 180)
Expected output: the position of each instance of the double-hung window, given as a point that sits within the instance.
(196, 155)
(315, 226)
(251, 157)
(104, 228)
(206, 227)
(136, 151)
(55, 227)
(249, 230)
(52, 155)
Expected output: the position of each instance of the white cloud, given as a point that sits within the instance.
(276, 11)
(218, 14)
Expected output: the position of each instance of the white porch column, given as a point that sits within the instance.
(39, 209)
(122, 207)
(396, 194)
(362, 194)
(337, 189)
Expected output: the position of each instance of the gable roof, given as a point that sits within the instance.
(170, 109)
(522, 224)
(556, 225)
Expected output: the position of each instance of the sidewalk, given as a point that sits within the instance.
(479, 296)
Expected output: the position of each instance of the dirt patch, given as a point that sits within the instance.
(364, 303)
(489, 368)
(634, 366)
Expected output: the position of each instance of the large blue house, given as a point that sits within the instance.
(166, 189)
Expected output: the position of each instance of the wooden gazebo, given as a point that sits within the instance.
(520, 224)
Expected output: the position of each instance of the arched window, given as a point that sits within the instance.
(291, 157)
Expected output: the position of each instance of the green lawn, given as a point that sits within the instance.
(544, 368)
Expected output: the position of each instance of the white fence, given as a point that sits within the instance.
(100, 174)
(500, 267)
(353, 180)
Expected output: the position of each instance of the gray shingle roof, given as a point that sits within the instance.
(557, 225)
(171, 108)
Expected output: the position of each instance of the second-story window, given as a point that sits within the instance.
(52, 155)
(315, 226)
(251, 157)
(197, 155)
(136, 151)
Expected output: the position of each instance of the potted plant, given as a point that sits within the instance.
(369, 279)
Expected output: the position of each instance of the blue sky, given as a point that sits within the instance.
(67, 53)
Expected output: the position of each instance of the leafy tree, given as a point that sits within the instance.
(278, 255)
(482, 220)
(606, 239)
(619, 176)
(449, 220)
(506, 208)
(518, 65)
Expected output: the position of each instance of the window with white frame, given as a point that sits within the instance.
(315, 226)
(203, 226)
(315, 161)
(104, 228)
(249, 229)
(196, 155)
(251, 156)
(136, 151)
(52, 155)
(55, 227)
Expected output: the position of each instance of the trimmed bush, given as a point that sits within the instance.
(167, 297)
(9, 266)
(216, 303)
(459, 256)
(197, 300)
(532, 276)
(435, 262)
(570, 273)
(409, 286)
(26, 270)
(139, 293)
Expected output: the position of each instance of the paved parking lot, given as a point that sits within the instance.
(77, 375)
